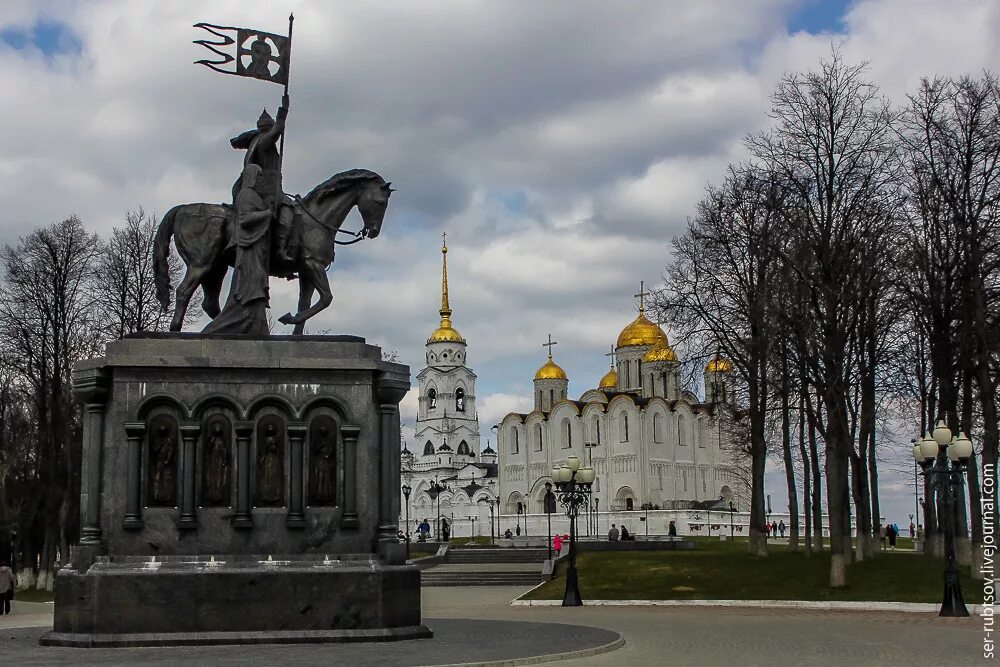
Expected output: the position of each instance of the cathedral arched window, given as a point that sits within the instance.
(623, 426)
(460, 399)
(657, 427)
(428, 448)
(463, 448)
(699, 432)
(432, 398)
(513, 440)
(684, 477)
(681, 432)
(595, 429)
(538, 437)
(567, 433)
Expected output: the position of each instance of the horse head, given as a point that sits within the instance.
(372, 202)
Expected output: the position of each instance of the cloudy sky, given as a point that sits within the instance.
(561, 144)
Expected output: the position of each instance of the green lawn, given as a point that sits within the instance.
(33, 596)
(724, 571)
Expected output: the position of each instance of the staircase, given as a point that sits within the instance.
(487, 567)
(484, 555)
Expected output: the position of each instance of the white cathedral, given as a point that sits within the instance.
(447, 450)
(651, 443)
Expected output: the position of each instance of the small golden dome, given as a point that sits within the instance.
(609, 381)
(550, 370)
(641, 332)
(446, 333)
(719, 364)
(660, 352)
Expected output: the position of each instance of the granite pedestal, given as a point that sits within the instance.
(238, 491)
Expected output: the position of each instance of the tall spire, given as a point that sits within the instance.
(445, 307)
(445, 331)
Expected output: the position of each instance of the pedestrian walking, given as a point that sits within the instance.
(625, 533)
(613, 533)
(891, 533)
(913, 530)
(781, 527)
(6, 587)
(557, 544)
(774, 528)
(767, 530)
(672, 529)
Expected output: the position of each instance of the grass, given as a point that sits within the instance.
(33, 596)
(725, 571)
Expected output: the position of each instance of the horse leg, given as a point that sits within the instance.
(191, 281)
(305, 298)
(211, 287)
(315, 273)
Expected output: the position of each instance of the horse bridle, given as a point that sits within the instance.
(358, 236)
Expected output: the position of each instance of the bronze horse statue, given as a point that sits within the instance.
(202, 234)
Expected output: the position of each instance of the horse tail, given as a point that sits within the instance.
(161, 254)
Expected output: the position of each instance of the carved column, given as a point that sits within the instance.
(349, 519)
(134, 431)
(390, 390)
(242, 518)
(296, 514)
(189, 477)
(91, 387)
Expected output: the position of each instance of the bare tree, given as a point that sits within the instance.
(126, 286)
(47, 317)
(718, 289)
(833, 145)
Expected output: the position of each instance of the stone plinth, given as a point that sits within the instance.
(223, 477)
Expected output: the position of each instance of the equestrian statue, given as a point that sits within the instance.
(264, 232)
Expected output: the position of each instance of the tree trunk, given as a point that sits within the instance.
(817, 480)
(806, 497)
(786, 450)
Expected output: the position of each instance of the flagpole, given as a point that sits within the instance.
(288, 77)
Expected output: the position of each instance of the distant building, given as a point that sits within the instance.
(447, 441)
(651, 442)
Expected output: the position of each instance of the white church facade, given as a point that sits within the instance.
(652, 443)
(446, 449)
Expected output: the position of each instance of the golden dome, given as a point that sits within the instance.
(445, 333)
(719, 364)
(660, 352)
(550, 370)
(641, 332)
(609, 381)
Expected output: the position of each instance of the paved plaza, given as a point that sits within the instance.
(652, 636)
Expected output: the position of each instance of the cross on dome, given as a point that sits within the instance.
(550, 344)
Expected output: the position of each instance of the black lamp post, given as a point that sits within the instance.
(573, 485)
(944, 459)
(434, 491)
(732, 509)
(597, 515)
(406, 494)
(549, 509)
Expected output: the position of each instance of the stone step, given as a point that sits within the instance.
(429, 578)
(496, 555)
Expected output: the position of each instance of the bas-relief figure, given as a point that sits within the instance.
(216, 466)
(270, 468)
(323, 451)
(163, 464)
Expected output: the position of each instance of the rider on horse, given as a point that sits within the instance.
(261, 146)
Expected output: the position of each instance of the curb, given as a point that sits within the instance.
(551, 657)
(910, 607)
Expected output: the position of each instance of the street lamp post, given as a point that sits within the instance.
(573, 484)
(732, 510)
(472, 528)
(597, 515)
(406, 494)
(434, 491)
(490, 502)
(548, 516)
(944, 459)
